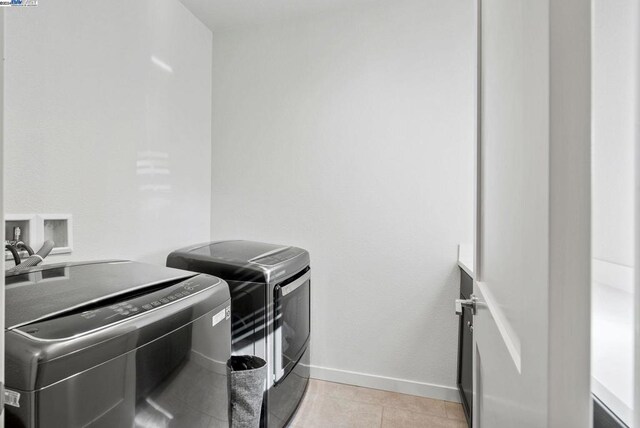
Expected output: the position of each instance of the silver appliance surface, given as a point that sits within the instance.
(122, 344)
(70, 286)
(270, 300)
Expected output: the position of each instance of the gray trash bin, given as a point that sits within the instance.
(247, 375)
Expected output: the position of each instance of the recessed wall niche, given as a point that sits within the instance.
(57, 228)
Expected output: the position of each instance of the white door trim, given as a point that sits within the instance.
(570, 214)
(2, 299)
(636, 410)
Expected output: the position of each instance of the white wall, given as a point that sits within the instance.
(108, 118)
(615, 71)
(351, 135)
(613, 131)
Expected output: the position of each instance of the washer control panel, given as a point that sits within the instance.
(77, 323)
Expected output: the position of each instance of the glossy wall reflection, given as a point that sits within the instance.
(108, 118)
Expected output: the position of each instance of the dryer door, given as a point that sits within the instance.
(291, 323)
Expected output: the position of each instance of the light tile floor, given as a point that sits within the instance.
(336, 405)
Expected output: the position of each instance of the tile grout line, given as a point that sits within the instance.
(418, 412)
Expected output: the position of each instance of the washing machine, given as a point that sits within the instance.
(116, 344)
(270, 307)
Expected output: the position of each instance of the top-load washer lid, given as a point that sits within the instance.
(51, 290)
(84, 315)
(241, 260)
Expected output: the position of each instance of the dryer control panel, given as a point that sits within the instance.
(277, 258)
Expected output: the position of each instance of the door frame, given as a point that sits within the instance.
(569, 293)
(2, 299)
(570, 214)
(636, 409)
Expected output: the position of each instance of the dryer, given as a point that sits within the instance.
(114, 344)
(270, 307)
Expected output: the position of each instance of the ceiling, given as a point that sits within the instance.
(224, 14)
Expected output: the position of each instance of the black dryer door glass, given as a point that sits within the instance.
(292, 323)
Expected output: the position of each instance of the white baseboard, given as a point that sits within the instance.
(438, 392)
